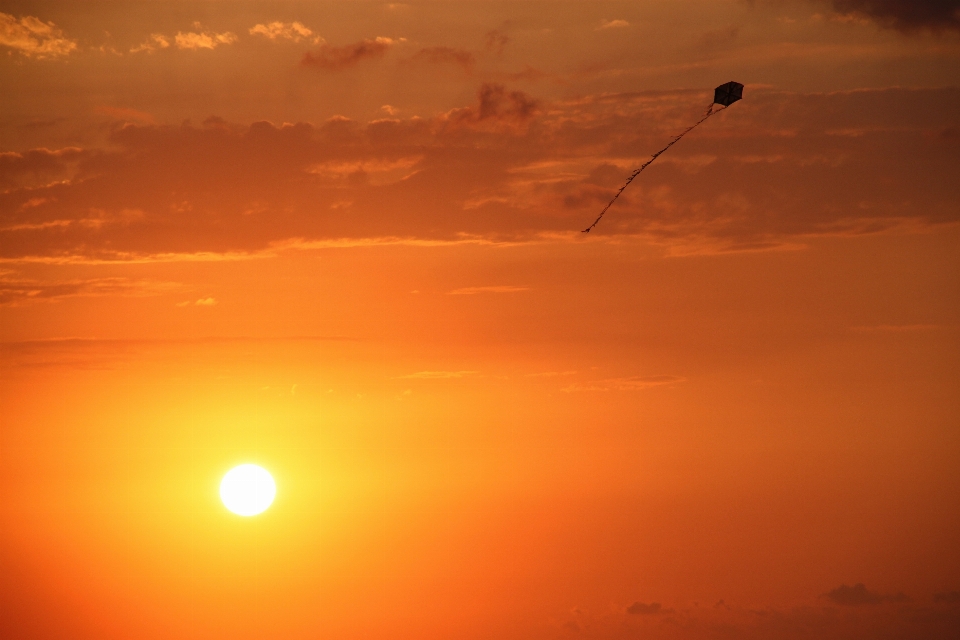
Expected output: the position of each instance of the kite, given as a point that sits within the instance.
(724, 95)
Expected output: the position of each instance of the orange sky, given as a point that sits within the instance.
(341, 240)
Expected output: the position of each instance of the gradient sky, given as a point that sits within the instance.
(341, 240)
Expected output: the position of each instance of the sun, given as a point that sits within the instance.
(247, 490)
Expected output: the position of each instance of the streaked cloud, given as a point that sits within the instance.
(628, 383)
(34, 38)
(437, 375)
(469, 291)
(18, 291)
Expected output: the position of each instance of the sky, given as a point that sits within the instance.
(342, 240)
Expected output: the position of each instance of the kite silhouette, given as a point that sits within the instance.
(724, 95)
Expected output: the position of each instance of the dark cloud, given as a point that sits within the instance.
(448, 55)
(855, 595)
(497, 104)
(718, 38)
(36, 124)
(858, 594)
(36, 166)
(949, 597)
(902, 621)
(906, 15)
(330, 58)
(640, 608)
(495, 41)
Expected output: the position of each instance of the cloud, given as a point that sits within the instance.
(612, 24)
(155, 42)
(37, 167)
(294, 31)
(628, 383)
(437, 375)
(495, 41)
(858, 595)
(884, 620)
(449, 55)
(905, 15)
(202, 302)
(640, 608)
(19, 291)
(332, 58)
(948, 597)
(33, 38)
(767, 174)
(551, 374)
(497, 106)
(203, 40)
(125, 114)
(718, 38)
(896, 328)
(469, 291)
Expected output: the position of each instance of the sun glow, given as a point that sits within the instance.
(247, 490)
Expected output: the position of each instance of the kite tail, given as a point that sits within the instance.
(675, 140)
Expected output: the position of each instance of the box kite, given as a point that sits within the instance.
(724, 95)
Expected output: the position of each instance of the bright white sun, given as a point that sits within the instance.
(247, 490)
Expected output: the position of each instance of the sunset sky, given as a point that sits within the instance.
(341, 240)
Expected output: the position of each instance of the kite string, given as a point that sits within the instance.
(710, 112)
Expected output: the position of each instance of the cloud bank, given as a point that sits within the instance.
(905, 15)
(772, 171)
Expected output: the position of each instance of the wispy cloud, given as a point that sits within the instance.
(629, 383)
(896, 328)
(550, 374)
(469, 291)
(202, 302)
(437, 375)
(612, 24)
